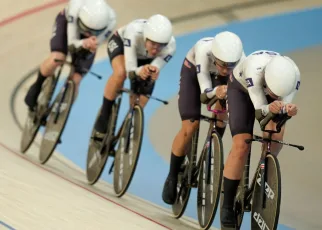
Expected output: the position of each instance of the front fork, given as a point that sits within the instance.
(127, 127)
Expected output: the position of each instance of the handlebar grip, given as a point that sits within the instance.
(203, 98)
(133, 76)
(80, 50)
(282, 122)
(212, 101)
(59, 60)
(248, 141)
(263, 121)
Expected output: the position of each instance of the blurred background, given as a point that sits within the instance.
(56, 195)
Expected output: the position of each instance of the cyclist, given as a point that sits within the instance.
(141, 48)
(205, 69)
(264, 82)
(80, 28)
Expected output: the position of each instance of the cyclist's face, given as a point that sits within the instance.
(223, 68)
(224, 71)
(153, 48)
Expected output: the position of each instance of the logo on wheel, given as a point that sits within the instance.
(63, 107)
(51, 136)
(268, 191)
(260, 221)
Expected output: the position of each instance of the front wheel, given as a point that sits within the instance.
(56, 122)
(184, 185)
(240, 202)
(97, 154)
(34, 119)
(267, 218)
(128, 152)
(210, 180)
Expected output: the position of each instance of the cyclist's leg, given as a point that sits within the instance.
(84, 63)
(189, 108)
(114, 83)
(241, 122)
(58, 45)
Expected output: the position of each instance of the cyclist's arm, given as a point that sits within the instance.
(254, 80)
(203, 75)
(165, 55)
(130, 55)
(73, 39)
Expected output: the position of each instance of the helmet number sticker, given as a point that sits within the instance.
(127, 42)
(107, 34)
(167, 58)
(70, 19)
(198, 68)
(249, 82)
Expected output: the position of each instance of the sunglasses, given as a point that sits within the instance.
(228, 65)
(157, 44)
(84, 29)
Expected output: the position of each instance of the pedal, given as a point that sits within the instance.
(194, 184)
(98, 136)
(43, 122)
(248, 205)
(182, 167)
(247, 208)
(111, 153)
(95, 138)
(32, 116)
(111, 168)
(227, 228)
(32, 109)
(194, 177)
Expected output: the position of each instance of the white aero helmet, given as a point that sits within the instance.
(228, 48)
(94, 17)
(158, 28)
(280, 76)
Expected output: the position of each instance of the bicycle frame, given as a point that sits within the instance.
(195, 166)
(262, 171)
(65, 86)
(266, 150)
(136, 93)
(129, 115)
(46, 113)
(130, 124)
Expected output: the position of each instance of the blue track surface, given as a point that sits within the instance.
(3, 225)
(281, 33)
